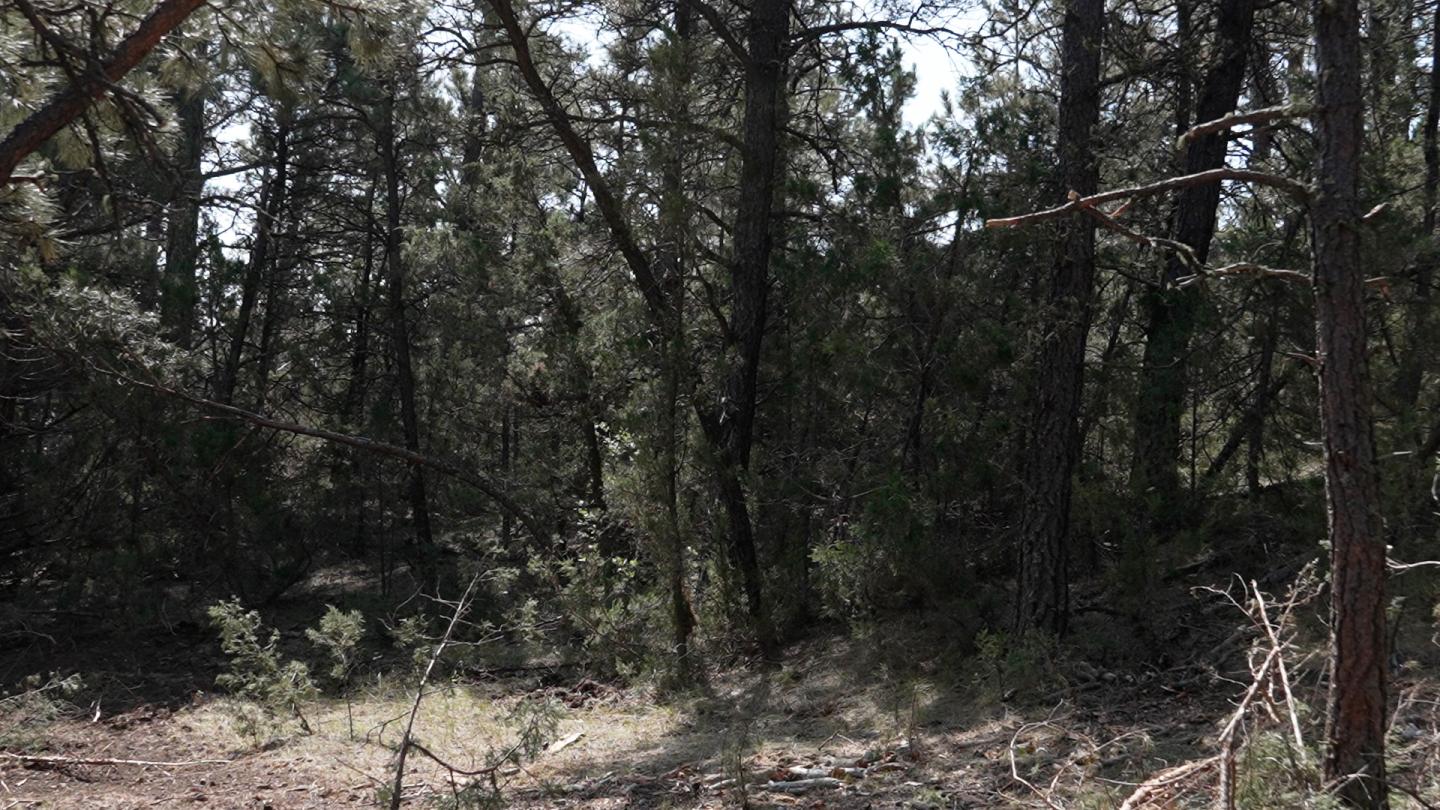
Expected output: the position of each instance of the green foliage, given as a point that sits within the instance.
(1270, 775)
(1022, 664)
(622, 615)
(339, 634)
(271, 687)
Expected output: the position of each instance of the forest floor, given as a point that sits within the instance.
(894, 712)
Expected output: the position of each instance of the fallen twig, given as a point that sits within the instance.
(802, 785)
(142, 763)
(1156, 786)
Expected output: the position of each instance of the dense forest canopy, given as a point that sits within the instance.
(673, 326)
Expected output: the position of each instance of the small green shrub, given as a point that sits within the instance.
(1009, 663)
(1270, 776)
(338, 635)
(272, 688)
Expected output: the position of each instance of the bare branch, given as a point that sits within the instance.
(486, 487)
(1298, 190)
(142, 763)
(1244, 269)
(1238, 119)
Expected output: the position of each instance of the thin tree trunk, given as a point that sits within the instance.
(1054, 439)
(675, 225)
(182, 248)
(1255, 428)
(730, 423)
(1355, 730)
(272, 204)
(400, 338)
(1170, 312)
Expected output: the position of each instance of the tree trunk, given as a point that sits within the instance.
(1356, 719)
(400, 338)
(1260, 407)
(182, 250)
(730, 424)
(675, 227)
(1054, 441)
(1170, 312)
(272, 204)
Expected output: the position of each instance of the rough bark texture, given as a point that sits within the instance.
(1053, 446)
(1170, 312)
(58, 112)
(675, 224)
(1356, 721)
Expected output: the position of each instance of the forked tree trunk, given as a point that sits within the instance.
(1170, 312)
(1053, 446)
(1355, 732)
(272, 205)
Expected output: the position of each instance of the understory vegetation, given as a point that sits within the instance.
(701, 403)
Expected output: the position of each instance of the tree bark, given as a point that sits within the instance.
(182, 250)
(71, 102)
(1355, 730)
(730, 422)
(674, 232)
(1054, 440)
(1170, 312)
(400, 338)
(272, 204)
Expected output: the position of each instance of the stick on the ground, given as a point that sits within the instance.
(405, 743)
(1157, 785)
(142, 763)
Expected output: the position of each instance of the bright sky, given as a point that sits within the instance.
(937, 70)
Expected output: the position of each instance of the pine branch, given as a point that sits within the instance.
(64, 108)
(486, 487)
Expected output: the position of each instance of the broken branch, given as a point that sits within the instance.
(1238, 119)
(1298, 190)
(142, 763)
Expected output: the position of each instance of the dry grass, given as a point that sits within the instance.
(835, 702)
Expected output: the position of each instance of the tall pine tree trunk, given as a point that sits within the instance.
(400, 339)
(730, 424)
(272, 204)
(182, 228)
(1170, 312)
(675, 225)
(1355, 730)
(1054, 439)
